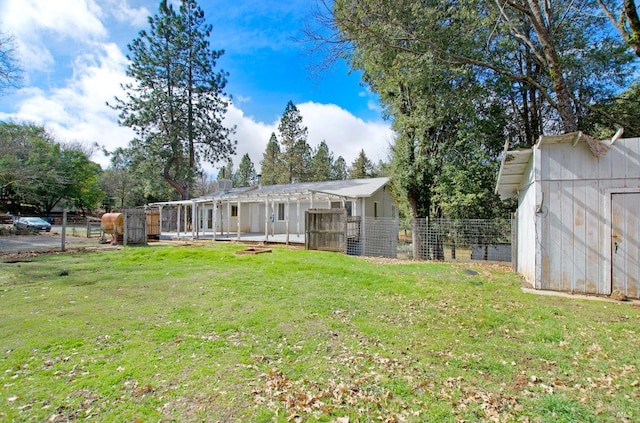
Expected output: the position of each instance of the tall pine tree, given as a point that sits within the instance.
(246, 174)
(272, 169)
(361, 167)
(296, 153)
(176, 104)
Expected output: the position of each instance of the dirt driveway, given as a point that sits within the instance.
(51, 241)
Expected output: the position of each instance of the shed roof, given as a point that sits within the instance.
(512, 169)
(515, 162)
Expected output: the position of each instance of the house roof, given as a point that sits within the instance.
(351, 188)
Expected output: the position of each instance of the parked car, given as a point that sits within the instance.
(34, 223)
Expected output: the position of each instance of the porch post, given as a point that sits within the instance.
(228, 217)
(184, 218)
(363, 229)
(160, 223)
(213, 218)
(194, 220)
(178, 220)
(298, 221)
(238, 219)
(286, 218)
(266, 219)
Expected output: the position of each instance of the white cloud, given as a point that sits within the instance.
(35, 21)
(121, 10)
(344, 133)
(78, 111)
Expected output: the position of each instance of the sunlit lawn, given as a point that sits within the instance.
(201, 334)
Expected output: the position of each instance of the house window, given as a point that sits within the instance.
(375, 209)
(280, 211)
(234, 211)
(336, 205)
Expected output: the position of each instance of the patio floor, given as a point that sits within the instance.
(243, 237)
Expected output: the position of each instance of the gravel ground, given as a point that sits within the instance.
(51, 241)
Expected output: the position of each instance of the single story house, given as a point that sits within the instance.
(578, 225)
(274, 213)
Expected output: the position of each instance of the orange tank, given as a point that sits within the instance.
(112, 223)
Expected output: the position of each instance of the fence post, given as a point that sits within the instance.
(124, 235)
(64, 231)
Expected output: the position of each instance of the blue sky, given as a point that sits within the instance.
(73, 53)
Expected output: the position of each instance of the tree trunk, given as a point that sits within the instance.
(634, 25)
(418, 233)
(563, 97)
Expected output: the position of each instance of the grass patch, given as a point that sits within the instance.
(202, 334)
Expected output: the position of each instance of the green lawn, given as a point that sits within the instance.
(169, 333)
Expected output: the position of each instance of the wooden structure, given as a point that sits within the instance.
(153, 223)
(326, 230)
(128, 227)
(578, 226)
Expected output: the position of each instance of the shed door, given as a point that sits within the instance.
(625, 242)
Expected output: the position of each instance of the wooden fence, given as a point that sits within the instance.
(326, 229)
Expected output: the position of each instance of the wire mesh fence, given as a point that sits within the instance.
(456, 239)
(374, 237)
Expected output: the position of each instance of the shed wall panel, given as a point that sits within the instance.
(526, 245)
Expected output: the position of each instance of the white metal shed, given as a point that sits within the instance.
(578, 226)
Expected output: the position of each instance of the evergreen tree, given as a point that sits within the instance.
(296, 153)
(176, 104)
(246, 174)
(321, 163)
(272, 168)
(339, 171)
(361, 167)
(227, 172)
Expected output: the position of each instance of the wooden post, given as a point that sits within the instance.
(64, 231)
(126, 230)
(160, 222)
